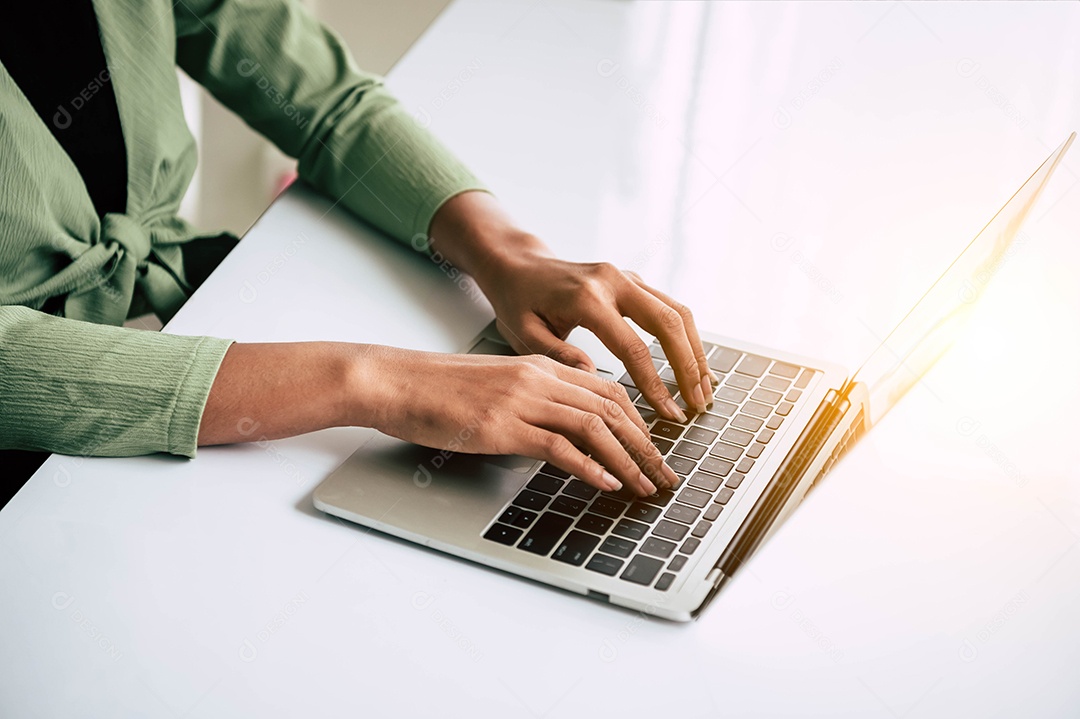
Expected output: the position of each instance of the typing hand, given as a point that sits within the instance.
(514, 405)
(539, 299)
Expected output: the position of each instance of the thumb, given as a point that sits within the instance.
(535, 337)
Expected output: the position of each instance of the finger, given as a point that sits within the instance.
(605, 388)
(558, 450)
(633, 438)
(592, 433)
(607, 324)
(534, 336)
(689, 322)
(667, 325)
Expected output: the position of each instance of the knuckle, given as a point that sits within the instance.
(636, 352)
(611, 408)
(670, 319)
(690, 366)
(591, 424)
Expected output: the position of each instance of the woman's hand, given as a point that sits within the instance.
(513, 405)
(539, 299)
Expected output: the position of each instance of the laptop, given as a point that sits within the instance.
(779, 422)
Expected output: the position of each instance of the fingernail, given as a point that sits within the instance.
(611, 482)
(715, 379)
(583, 366)
(648, 486)
(674, 410)
(699, 398)
(706, 388)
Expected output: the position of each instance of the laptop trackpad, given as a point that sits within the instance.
(394, 485)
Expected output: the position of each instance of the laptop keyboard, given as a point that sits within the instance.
(648, 540)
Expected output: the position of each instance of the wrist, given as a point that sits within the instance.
(473, 232)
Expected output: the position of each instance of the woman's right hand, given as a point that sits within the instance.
(531, 405)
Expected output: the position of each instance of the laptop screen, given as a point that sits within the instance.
(932, 325)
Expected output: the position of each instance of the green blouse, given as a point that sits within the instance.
(80, 383)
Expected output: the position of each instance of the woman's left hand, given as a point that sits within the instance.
(539, 299)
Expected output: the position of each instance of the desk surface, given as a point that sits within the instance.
(797, 173)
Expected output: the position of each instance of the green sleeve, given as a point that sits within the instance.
(293, 81)
(80, 388)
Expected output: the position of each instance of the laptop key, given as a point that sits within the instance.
(643, 512)
(784, 409)
(681, 465)
(690, 545)
(656, 351)
(736, 436)
(575, 549)
(740, 381)
(630, 529)
(617, 547)
(726, 451)
(757, 409)
(766, 396)
(774, 423)
(677, 562)
(735, 480)
(690, 449)
(663, 445)
(699, 434)
(642, 570)
(579, 489)
(724, 496)
(524, 519)
(753, 452)
(785, 370)
(648, 415)
(745, 466)
(607, 507)
(667, 430)
(711, 421)
(753, 365)
(679, 513)
(725, 409)
(509, 515)
(712, 512)
(793, 395)
(657, 548)
(502, 534)
(765, 436)
(604, 565)
(776, 383)
(730, 394)
(706, 482)
(627, 381)
(665, 581)
(547, 485)
(531, 500)
(553, 471)
(723, 359)
(660, 499)
(694, 497)
(546, 533)
(594, 523)
(746, 422)
(804, 379)
(717, 466)
(702, 528)
(567, 505)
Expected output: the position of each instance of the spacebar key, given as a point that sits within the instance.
(546, 533)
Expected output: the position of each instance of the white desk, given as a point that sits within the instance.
(797, 173)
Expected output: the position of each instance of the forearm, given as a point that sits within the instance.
(285, 389)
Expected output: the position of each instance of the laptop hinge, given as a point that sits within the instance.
(768, 507)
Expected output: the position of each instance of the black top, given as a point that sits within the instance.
(53, 51)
